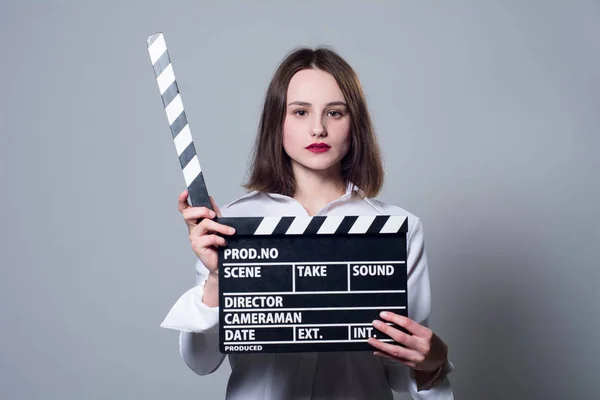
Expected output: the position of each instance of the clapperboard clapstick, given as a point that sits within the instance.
(290, 284)
(180, 129)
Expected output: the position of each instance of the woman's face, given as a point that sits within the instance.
(316, 128)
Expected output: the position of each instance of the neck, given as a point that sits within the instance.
(315, 189)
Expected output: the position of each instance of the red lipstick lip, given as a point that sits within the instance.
(320, 146)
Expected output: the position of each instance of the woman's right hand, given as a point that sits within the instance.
(202, 235)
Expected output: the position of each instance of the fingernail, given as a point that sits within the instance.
(231, 230)
(383, 314)
(376, 324)
(212, 214)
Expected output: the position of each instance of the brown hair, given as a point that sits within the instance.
(271, 170)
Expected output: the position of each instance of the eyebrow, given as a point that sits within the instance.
(305, 104)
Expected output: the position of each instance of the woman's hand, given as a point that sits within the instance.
(202, 237)
(424, 350)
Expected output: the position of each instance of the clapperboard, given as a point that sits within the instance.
(289, 283)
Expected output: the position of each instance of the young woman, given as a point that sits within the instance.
(315, 154)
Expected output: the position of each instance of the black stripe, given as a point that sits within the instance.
(242, 225)
(283, 225)
(314, 225)
(404, 227)
(178, 124)
(377, 224)
(162, 63)
(170, 94)
(187, 155)
(346, 224)
(198, 194)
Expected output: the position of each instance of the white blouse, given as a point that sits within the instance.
(326, 375)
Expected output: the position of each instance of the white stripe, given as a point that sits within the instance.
(157, 48)
(393, 224)
(313, 309)
(315, 292)
(362, 224)
(165, 79)
(306, 341)
(297, 325)
(267, 263)
(267, 225)
(191, 171)
(174, 108)
(348, 275)
(298, 226)
(331, 224)
(183, 139)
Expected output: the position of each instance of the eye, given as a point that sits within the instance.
(335, 113)
(300, 113)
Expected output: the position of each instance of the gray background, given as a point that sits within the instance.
(487, 112)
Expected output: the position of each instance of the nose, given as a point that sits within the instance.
(318, 128)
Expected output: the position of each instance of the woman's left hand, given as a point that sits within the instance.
(424, 350)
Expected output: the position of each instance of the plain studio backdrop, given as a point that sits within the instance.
(488, 116)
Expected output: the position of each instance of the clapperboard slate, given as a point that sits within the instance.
(293, 284)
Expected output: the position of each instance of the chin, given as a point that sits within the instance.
(321, 165)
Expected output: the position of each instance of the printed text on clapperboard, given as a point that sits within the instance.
(309, 298)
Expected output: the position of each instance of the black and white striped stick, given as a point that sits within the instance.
(320, 225)
(180, 129)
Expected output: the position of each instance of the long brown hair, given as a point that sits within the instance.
(271, 169)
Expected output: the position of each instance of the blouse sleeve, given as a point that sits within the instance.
(198, 325)
(400, 377)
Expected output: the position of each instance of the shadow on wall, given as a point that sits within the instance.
(495, 293)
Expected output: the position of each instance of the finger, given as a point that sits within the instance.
(409, 341)
(394, 359)
(408, 324)
(396, 351)
(209, 225)
(209, 241)
(182, 202)
(192, 214)
(215, 206)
